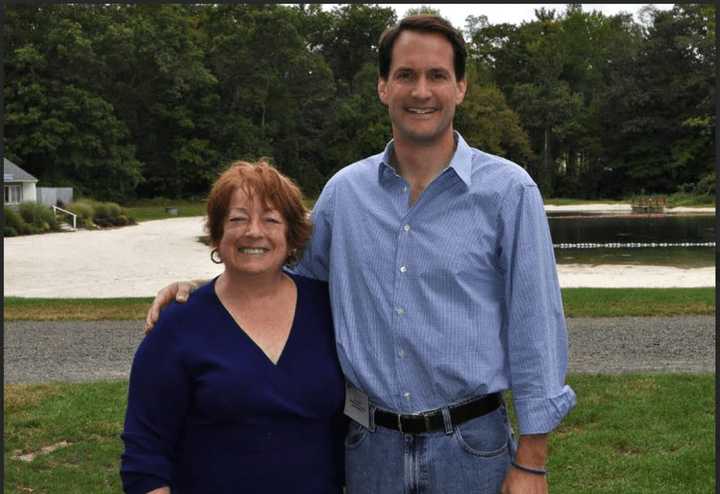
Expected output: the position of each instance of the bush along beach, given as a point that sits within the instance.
(94, 214)
(29, 218)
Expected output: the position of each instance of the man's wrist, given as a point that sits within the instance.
(531, 470)
(532, 451)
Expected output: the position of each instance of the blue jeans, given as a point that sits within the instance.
(471, 459)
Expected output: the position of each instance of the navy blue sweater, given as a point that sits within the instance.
(209, 412)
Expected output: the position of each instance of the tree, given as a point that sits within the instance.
(487, 122)
(57, 125)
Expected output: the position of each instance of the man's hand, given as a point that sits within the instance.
(179, 291)
(532, 453)
(519, 482)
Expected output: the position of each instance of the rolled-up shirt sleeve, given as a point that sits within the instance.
(537, 344)
(158, 399)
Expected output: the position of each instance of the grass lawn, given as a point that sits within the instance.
(79, 309)
(155, 209)
(619, 302)
(579, 302)
(629, 434)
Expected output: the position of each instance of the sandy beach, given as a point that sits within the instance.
(136, 261)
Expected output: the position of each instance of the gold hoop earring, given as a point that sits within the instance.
(213, 254)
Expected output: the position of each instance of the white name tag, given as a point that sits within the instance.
(357, 405)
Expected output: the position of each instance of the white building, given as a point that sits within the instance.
(18, 184)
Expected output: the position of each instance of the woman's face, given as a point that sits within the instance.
(254, 239)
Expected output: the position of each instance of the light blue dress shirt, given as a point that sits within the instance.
(453, 297)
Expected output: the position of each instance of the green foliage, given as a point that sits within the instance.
(93, 214)
(38, 217)
(136, 101)
(29, 218)
(486, 120)
(14, 224)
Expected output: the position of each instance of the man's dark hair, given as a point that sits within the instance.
(424, 24)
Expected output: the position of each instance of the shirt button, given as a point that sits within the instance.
(403, 269)
(400, 310)
(404, 188)
(401, 353)
(406, 395)
(406, 228)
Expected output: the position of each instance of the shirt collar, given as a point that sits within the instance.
(461, 161)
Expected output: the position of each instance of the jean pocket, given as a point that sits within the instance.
(486, 436)
(355, 435)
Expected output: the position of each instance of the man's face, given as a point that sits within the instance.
(421, 91)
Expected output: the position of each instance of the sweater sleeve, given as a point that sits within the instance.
(158, 397)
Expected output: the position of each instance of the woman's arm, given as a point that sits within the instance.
(158, 398)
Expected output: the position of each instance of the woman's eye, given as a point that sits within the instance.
(238, 219)
(272, 220)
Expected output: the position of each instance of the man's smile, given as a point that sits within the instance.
(421, 111)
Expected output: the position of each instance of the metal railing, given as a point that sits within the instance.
(74, 216)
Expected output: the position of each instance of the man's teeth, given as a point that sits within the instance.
(421, 110)
(253, 251)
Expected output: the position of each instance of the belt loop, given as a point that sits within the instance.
(371, 421)
(447, 420)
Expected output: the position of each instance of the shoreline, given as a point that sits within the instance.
(139, 260)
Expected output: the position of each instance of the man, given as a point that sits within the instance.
(444, 292)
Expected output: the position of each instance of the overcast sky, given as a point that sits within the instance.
(513, 13)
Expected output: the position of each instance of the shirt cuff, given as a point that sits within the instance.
(542, 415)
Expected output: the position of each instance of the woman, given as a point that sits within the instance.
(239, 390)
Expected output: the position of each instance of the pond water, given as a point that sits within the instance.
(674, 240)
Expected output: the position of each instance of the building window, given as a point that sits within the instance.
(13, 194)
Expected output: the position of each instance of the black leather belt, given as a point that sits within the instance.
(433, 420)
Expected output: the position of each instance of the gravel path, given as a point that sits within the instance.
(85, 351)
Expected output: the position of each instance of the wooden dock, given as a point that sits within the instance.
(649, 204)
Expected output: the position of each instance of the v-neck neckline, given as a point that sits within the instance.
(249, 338)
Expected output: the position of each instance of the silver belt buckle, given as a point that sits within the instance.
(425, 416)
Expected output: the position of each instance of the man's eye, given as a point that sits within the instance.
(403, 75)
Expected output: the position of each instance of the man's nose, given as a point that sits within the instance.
(421, 88)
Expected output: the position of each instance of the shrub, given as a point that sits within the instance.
(706, 185)
(39, 216)
(9, 231)
(14, 220)
(83, 209)
(114, 210)
(120, 220)
(101, 210)
(94, 214)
